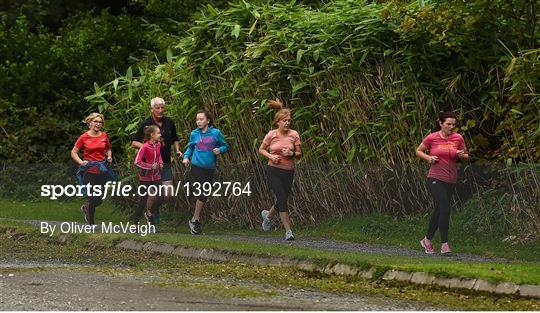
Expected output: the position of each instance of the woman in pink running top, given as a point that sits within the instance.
(441, 150)
(281, 146)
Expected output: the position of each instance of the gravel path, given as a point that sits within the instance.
(341, 246)
(71, 287)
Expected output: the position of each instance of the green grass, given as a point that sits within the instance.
(376, 229)
(407, 231)
(517, 272)
(55, 210)
(100, 255)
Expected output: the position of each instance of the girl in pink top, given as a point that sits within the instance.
(281, 146)
(149, 161)
(445, 148)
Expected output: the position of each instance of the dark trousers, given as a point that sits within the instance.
(201, 175)
(143, 199)
(94, 201)
(442, 195)
(280, 181)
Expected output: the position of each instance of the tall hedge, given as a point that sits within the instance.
(365, 81)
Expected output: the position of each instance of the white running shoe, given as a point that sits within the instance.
(267, 223)
(289, 235)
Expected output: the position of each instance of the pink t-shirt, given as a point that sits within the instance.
(446, 149)
(276, 142)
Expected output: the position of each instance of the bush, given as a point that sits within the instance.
(365, 81)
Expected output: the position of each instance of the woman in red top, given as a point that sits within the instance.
(281, 146)
(97, 147)
(445, 148)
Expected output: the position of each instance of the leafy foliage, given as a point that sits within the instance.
(365, 81)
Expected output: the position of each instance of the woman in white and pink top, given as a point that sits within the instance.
(445, 148)
(281, 146)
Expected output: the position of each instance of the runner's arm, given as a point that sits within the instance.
(75, 155)
(222, 143)
(298, 152)
(176, 145)
(190, 146)
(263, 150)
(138, 137)
(139, 160)
(136, 144)
(421, 153)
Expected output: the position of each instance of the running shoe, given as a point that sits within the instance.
(445, 248)
(84, 209)
(288, 235)
(149, 217)
(426, 244)
(267, 223)
(195, 227)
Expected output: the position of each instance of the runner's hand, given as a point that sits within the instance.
(460, 153)
(83, 163)
(185, 162)
(216, 151)
(275, 158)
(179, 154)
(155, 165)
(109, 159)
(287, 152)
(433, 159)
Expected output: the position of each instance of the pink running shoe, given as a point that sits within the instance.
(428, 247)
(445, 248)
(84, 209)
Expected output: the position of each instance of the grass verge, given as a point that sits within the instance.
(374, 229)
(24, 242)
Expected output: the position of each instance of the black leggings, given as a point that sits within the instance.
(280, 182)
(144, 198)
(442, 195)
(201, 175)
(94, 201)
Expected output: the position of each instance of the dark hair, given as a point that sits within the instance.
(148, 131)
(208, 115)
(443, 115)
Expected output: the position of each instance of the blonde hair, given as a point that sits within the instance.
(92, 116)
(155, 101)
(281, 114)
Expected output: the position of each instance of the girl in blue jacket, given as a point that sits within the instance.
(206, 142)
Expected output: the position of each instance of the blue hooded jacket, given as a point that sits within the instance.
(201, 144)
(103, 168)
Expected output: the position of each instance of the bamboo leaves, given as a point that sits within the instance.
(236, 31)
(355, 73)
